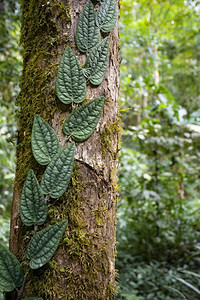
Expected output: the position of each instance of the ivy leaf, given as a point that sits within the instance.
(106, 15)
(11, 273)
(33, 207)
(44, 244)
(45, 144)
(87, 33)
(70, 82)
(58, 173)
(81, 123)
(97, 62)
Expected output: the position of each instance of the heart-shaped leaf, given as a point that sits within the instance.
(33, 208)
(81, 123)
(97, 62)
(45, 144)
(44, 244)
(11, 273)
(58, 173)
(106, 15)
(70, 82)
(87, 33)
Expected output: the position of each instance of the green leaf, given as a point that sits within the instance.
(45, 144)
(97, 62)
(81, 123)
(70, 82)
(87, 33)
(106, 15)
(58, 173)
(11, 273)
(188, 285)
(44, 244)
(33, 208)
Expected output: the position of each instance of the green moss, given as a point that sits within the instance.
(41, 39)
(106, 135)
(33, 100)
(84, 254)
(101, 212)
(76, 269)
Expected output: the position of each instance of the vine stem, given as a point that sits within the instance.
(66, 140)
(47, 197)
(73, 105)
(21, 290)
(35, 228)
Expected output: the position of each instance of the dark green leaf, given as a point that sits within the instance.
(58, 173)
(81, 123)
(106, 15)
(70, 83)
(11, 273)
(33, 207)
(97, 62)
(87, 33)
(45, 144)
(44, 244)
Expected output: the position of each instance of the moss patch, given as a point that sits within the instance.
(109, 130)
(41, 39)
(80, 269)
(101, 212)
(76, 269)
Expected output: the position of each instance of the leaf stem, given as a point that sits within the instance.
(73, 105)
(67, 139)
(47, 197)
(21, 290)
(35, 228)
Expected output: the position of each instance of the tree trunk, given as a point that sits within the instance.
(84, 265)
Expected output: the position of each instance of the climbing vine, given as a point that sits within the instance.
(79, 125)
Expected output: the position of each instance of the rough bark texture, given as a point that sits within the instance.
(84, 265)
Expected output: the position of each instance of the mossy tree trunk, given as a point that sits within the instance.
(84, 264)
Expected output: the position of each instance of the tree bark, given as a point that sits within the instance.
(84, 265)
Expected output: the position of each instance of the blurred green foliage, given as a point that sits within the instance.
(158, 215)
(10, 68)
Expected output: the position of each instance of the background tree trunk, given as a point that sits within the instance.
(84, 265)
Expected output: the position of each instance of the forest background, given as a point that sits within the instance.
(158, 213)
